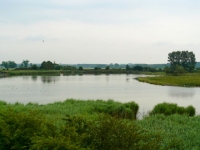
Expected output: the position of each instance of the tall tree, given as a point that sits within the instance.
(184, 59)
(47, 65)
(9, 64)
(25, 63)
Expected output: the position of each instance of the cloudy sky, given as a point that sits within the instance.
(98, 31)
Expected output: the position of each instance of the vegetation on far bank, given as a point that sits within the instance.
(96, 125)
(187, 80)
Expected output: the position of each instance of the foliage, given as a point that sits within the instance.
(47, 65)
(118, 110)
(107, 68)
(9, 64)
(69, 68)
(187, 80)
(25, 64)
(178, 132)
(34, 67)
(30, 130)
(97, 68)
(34, 126)
(110, 133)
(57, 67)
(184, 59)
(80, 68)
(170, 108)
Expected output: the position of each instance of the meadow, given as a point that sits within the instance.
(78, 124)
(187, 80)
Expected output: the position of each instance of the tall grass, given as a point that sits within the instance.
(187, 80)
(77, 124)
(170, 108)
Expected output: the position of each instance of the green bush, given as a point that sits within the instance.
(17, 129)
(110, 133)
(117, 109)
(170, 108)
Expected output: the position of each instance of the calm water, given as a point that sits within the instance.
(123, 88)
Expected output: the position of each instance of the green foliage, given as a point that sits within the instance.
(184, 59)
(109, 133)
(69, 68)
(118, 110)
(17, 129)
(34, 67)
(9, 64)
(187, 80)
(169, 109)
(97, 68)
(47, 65)
(25, 64)
(80, 68)
(178, 132)
(107, 68)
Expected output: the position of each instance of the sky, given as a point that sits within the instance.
(98, 31)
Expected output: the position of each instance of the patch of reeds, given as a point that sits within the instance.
(170, 108)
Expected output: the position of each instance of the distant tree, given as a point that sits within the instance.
(116, 65)
(34, 67)
(128, 67)
(80, 68)
(5, 64)
(107, 68)
(25, 63)
(47, 65)
(57, 67)
(184, 59)
(9, 64)
(138, 68)
(97, 68)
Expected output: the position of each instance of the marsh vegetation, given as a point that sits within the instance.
(78, 124)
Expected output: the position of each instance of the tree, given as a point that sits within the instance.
(128, 67)
(47, 65)
(184, 59)
(138, 68)
(34, 67)
(9, 64)
(80, 68)
(25, 63)
(107, 68)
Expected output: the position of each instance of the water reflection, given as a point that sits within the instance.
(50, 79)
(34, 78)
(186, 93)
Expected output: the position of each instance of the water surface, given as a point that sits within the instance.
(123, 88)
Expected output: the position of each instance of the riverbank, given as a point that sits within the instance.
(187, 80)
(67, 124)
(77, 72)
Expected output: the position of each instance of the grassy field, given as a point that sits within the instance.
(78, 124)
(187, 80)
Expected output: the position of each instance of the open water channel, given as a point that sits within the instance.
(122, 88)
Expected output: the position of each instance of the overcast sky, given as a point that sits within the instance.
(98, 31)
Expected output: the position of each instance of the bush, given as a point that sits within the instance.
(118, 110)
(169, 109)
(109, 133)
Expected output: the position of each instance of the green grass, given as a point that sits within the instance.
(188, 80)
(171, 132)
(13, 72)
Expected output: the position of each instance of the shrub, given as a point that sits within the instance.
(118, 110)
(170, 108)
(109, 133)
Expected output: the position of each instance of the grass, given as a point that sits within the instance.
(171, 131)
(187, 80)
(13, 72)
